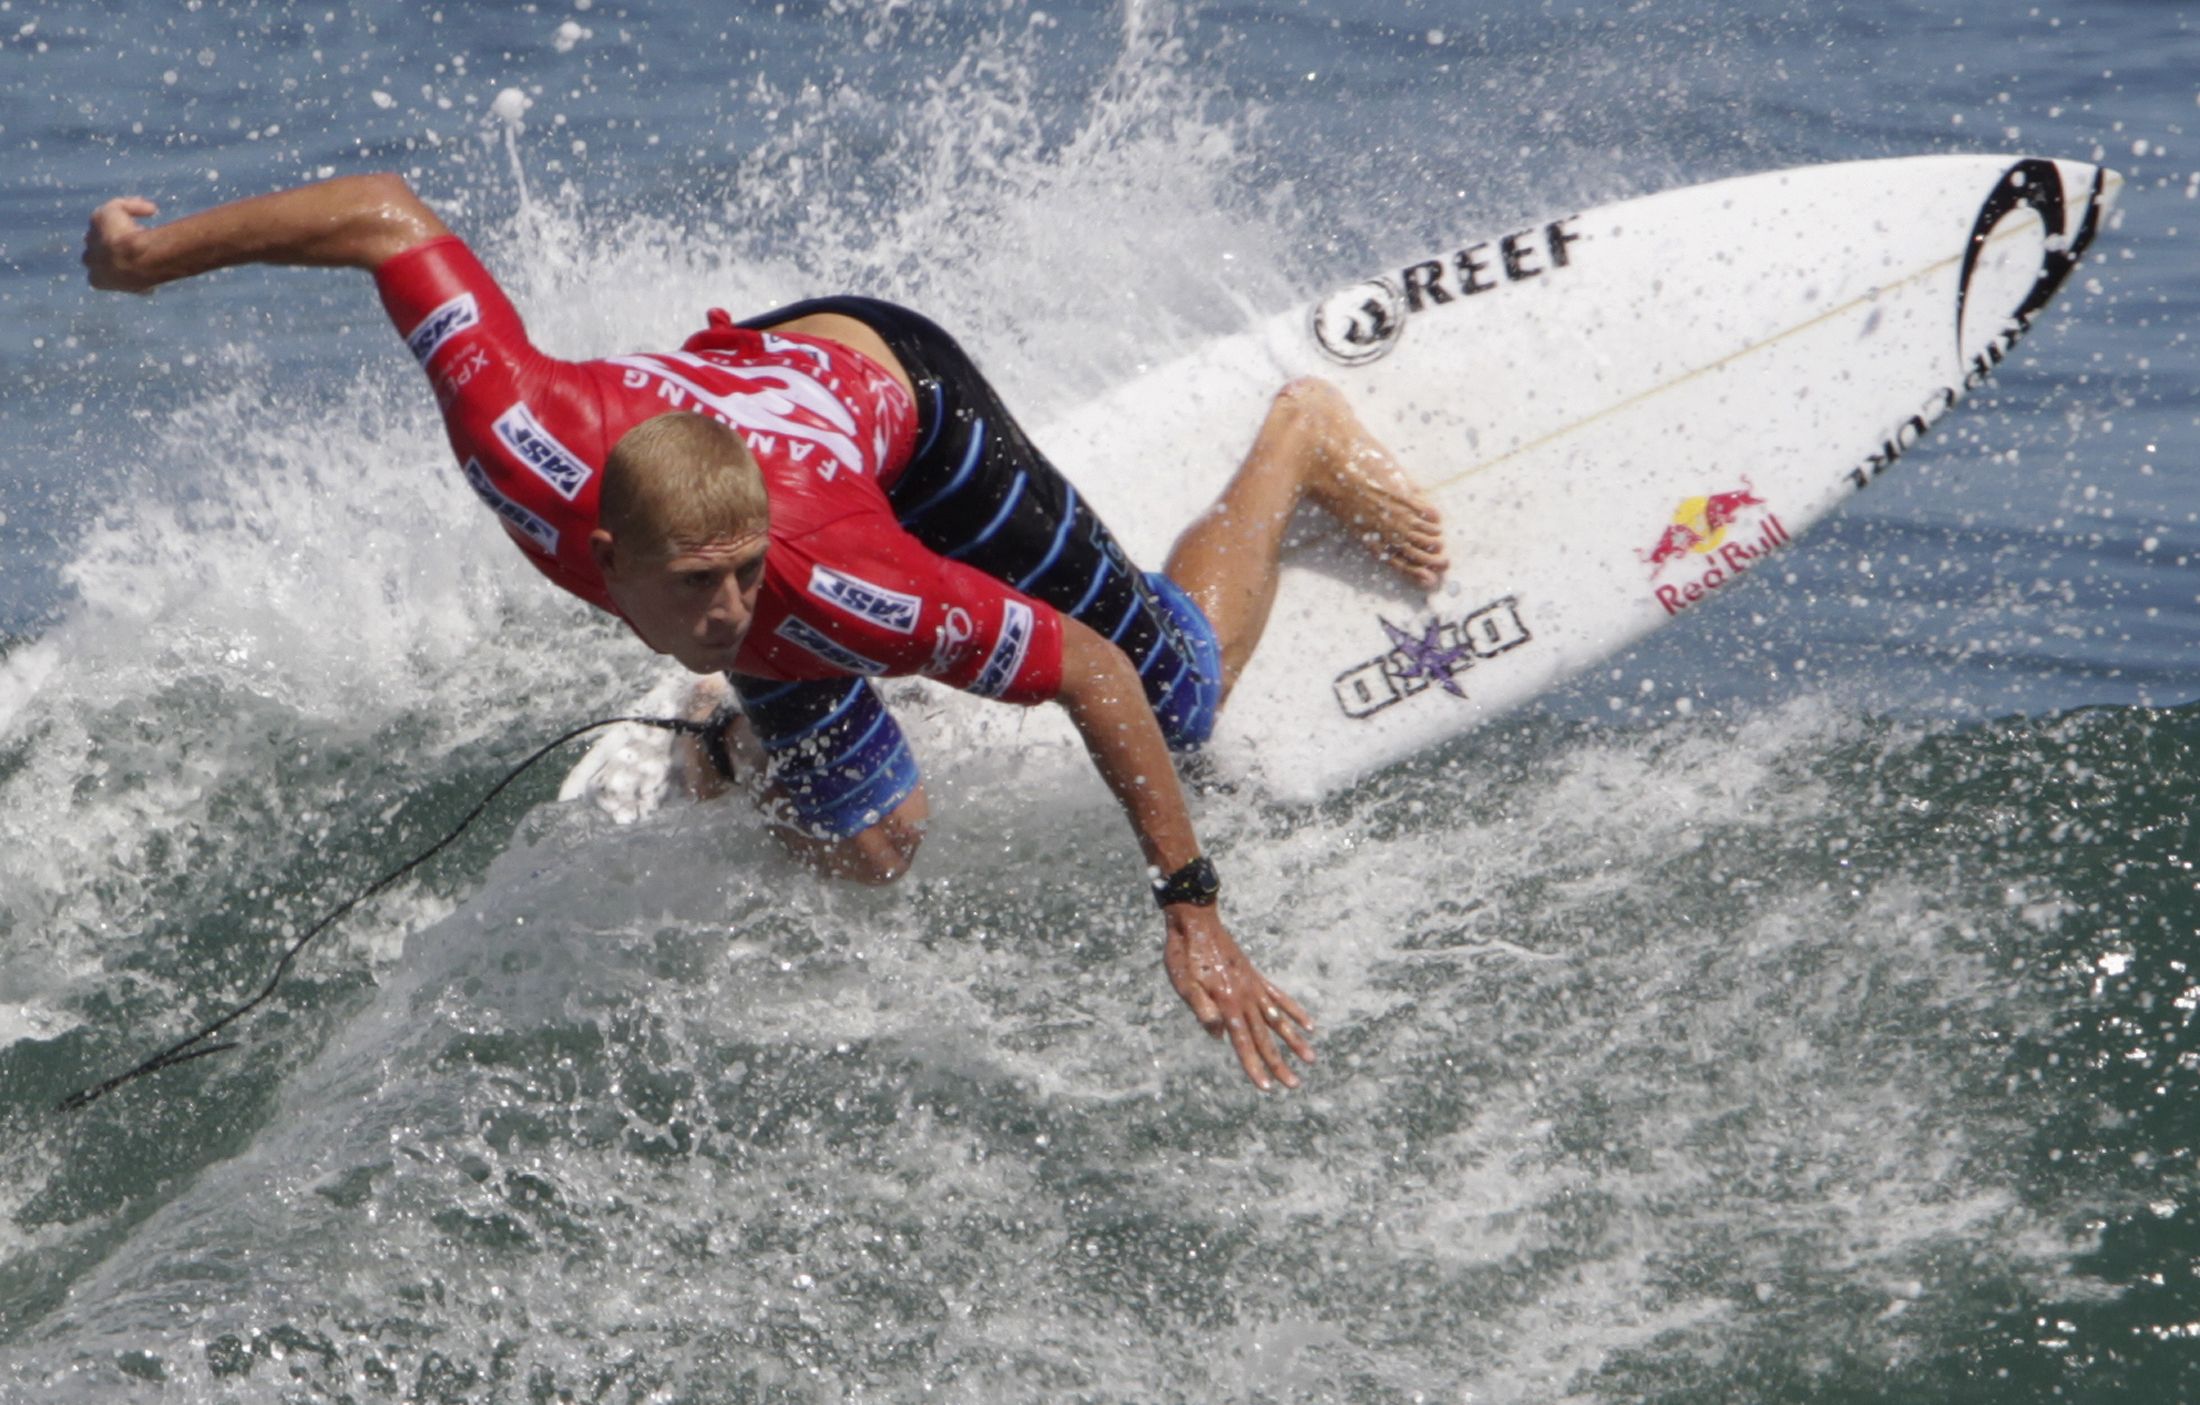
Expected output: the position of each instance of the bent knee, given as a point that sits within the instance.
(1310, 409)
(880, 855)
(1309, 395)
(874, 856)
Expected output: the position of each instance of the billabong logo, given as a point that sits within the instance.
(539, 533)
(1696, 541)
(439, 326)
(799, 632)
(1431, 657)
(1361, 323)
(1008, 651)
(889, 609)
(536, 447)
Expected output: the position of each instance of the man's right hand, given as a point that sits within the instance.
(114, 244)
(1233, 1000)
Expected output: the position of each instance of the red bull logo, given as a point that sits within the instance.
(1711, 541)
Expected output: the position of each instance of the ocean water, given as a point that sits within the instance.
(1800, 1009)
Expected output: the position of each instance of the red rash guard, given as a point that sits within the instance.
(846, 590)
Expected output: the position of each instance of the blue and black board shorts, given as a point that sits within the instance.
(976, 491)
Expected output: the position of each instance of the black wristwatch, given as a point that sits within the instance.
(1194, 883)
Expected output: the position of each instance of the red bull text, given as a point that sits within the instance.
(1699, 537)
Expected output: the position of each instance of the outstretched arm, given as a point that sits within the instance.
(349, 222)
(1100, 691)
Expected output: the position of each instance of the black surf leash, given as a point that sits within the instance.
(195, 1047)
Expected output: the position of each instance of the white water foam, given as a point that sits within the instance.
(845, 1088)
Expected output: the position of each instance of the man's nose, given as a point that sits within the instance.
(729, 606)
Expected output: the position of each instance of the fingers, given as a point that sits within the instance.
(1264, 1042)
(1258, 1056)
(1288, 1006)
(1233, 1000)
(1255, 1028)
(1209, 1015)
(1194, 994)
(1293, 1024)
(122, 213)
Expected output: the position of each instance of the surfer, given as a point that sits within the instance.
(829, 493)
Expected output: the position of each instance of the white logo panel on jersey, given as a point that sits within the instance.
(888, 609)
(541, 534)
(536, 447)
(438, 327)
(765, 411)
(1009, 648)
(799, 632)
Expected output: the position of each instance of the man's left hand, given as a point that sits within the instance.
(1231, 998)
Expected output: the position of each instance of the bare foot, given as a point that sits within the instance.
(1355, 480)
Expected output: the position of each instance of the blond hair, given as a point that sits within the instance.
(680, 480)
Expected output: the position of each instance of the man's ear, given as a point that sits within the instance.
(600, 551)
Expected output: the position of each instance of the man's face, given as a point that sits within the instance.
(695, 604)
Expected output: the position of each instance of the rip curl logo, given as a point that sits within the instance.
(1431, 657)
(804, 635)
(2037, 184)
(2033, 184)
(1008, 651)
(888, 609)
(439, 326)
(954, 632)
(537, 448)
(538, 533)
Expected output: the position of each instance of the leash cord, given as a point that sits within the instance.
(194, 1047)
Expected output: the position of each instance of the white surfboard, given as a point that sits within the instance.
(1622, 414)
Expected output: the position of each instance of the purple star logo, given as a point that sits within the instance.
(1424, 657)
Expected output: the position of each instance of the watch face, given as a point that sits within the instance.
(1196, 882)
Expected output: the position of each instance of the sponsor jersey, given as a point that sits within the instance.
(846, 589)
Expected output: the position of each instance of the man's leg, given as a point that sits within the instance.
(1311, 446)
(829, 767)
(880, 853)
